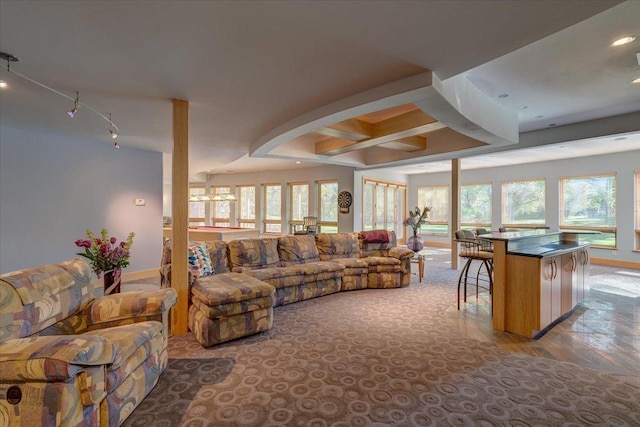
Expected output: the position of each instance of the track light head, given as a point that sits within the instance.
(76, 104)
(115, 144)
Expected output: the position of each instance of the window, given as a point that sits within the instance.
(196, 209)
(475, 205)
(438, 199)
(589, 203)
(523, 203)
(299, 197)
(272, 208)
(638, 211)
(247, 206)
(328, 206)
(221, 211)
(383, 210)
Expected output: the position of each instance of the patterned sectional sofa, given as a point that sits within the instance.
(70, 358)
(254, 275)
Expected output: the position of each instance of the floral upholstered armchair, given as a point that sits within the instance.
(68, 358)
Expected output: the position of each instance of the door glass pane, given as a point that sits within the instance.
(367, 207)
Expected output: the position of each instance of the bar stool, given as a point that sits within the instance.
(472, 249)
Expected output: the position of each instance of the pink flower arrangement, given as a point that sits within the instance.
(104, 253)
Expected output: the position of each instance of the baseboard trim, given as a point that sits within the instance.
(142, 274)
(616, 263)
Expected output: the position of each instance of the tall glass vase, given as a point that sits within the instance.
(415, 242)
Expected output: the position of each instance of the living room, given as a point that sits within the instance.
(233, 62)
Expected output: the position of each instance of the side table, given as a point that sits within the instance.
(418, 258)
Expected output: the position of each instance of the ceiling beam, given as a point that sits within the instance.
(352, 146)
(398, 128)
(403, 122)
(411, 143)
(331, 144)
(352, 129)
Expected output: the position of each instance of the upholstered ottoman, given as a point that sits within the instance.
(228, 306)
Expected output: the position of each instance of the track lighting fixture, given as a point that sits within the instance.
(76, 104)
(114, 131)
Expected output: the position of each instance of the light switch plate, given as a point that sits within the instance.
(141, 202)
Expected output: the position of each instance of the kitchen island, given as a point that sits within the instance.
(539, 277)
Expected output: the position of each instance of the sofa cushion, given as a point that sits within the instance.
(199, 261)
(28, 308)
(218, 254)
(378, 264)
(254, 253)
(229, 288)
(133, 345)
(339, 245)
(314, 271)
(278, 277)
(297, 249)
(234, 308)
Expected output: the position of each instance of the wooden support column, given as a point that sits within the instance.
(455, 209)
(180, 215)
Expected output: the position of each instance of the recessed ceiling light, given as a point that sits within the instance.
(503, 95)
(623, 40)
(298, 162)
(3, 84)
(538, 117)
(636, 80)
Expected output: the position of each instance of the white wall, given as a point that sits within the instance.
(343, 174)
(622, 164)
(53, 188)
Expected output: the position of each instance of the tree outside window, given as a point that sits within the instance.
(523, 203)
(475, 205)
(437, 198)
(328, 206)
(589, 203)
(273, 208)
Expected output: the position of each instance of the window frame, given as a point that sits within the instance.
(391, 221)
(430, 221)
(503, 204)
(196, 220)
(246, 222)
(322, 224)
(220, 221)
(266, 221)
(294, 221)
(602, 229)
(473, 225)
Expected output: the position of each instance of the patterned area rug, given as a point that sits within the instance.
(377, 358)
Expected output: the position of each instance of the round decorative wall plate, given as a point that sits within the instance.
(344, 201)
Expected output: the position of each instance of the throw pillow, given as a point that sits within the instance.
(199, 261)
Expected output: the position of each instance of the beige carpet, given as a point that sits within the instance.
(378, 358)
